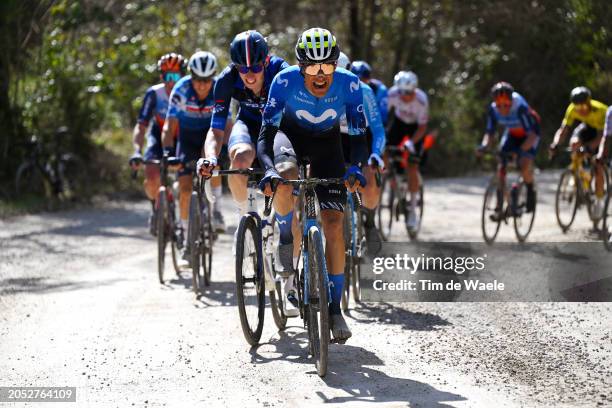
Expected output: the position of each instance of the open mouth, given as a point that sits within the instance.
(250, 81)
(320, 84)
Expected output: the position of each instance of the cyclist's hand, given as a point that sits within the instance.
(205, 167)
(376, 161)
(353, 179)
(135, 161)
(409, 146)
(265, 184)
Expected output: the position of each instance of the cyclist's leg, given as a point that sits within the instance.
(242, 154)
(371, 192)
(526, 159)
(189, 149)
(593, 146)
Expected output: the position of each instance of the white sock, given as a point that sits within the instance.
(217, 193)
(184, 223)
(413, 200)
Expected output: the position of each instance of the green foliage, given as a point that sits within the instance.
(86, 64)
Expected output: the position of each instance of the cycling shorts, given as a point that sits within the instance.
(584, 134)
(189, 148)
(399, 133)
(346, 145)
(510, 144)
(243, 132)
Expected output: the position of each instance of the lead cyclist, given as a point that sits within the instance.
(305, 105)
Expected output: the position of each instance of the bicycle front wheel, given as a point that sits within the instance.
(413, 233)
(348, 254)
(523, 220)
(194, 244)
(566, 200)
(250, 283)
(208, 238)
(607, 225)
(318, 306)
(385, 213)
(490, 225)
(162, 233)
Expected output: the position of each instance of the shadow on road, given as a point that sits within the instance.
(42, 285)
(390, 314)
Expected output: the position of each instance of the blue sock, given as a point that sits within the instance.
(337, 283)
(284, 226)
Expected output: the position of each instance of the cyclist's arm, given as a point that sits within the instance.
(356, 122)
(374, 121)
(423, 118)
(144, 116)
(489, 135)
(527, 121)
(560, 135)
(271, 119)
(170, 129)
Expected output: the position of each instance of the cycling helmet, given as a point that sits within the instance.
(344, 61)
(172, 63)
(580, 94)
(502, 89)
(406, 81)
(361, 69)
(203, 64)
(249, 48)
(316, 45)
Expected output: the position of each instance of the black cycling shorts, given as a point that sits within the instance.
(585, 133)
(399, 130)
(324, 153)
(346, 145)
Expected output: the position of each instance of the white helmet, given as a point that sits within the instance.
(344, 61)
(406, 81)
(202, 64)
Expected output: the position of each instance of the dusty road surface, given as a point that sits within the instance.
(80, 306)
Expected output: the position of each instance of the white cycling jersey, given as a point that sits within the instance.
(416, 111)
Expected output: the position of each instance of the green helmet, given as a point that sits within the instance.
(316, 45)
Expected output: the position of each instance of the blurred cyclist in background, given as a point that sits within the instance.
(363, 70)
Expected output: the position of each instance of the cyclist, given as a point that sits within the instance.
(408, 118)
(604, 145)
(189, 114)
(155, 105)
(363, 70)
(305, 104)
(247, 79)
(592, 115)
(521, 135)
(375, 134)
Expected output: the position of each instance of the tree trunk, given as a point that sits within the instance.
(355, 31)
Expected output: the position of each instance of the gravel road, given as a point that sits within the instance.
(80, 306)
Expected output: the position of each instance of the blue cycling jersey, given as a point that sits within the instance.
(290, 100)
(192, 114)
(154, 105)
(373, 119)
(382, 98)
(519, 120)
(229, 85)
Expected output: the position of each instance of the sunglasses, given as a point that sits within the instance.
(581, 106)
(405, 92)
(315, 69)
(256, 69)
(172, 76)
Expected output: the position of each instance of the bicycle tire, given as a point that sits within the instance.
(161, 232)
(348, 255)
(490, 194)
(607, 225)
(566, 177)
(172, 237)
(29, 179)
(318, 310)
(208, 238)
(413, 234)
(518, 219)
(356, 269)
(252, 282)
(592, 216)
(278, 314)
(385, 211)
(193, 242)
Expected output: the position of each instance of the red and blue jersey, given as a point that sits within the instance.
(154, 106)
(520, 120)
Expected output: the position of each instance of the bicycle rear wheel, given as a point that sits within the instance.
(194, 243)
(162, 235)
(523, 220)
(250, 283)
(385, 211)
(318, 306)
(489, 226)
(413, 233)
(566, 200)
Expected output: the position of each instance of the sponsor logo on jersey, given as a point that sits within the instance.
(354, 86)
(282, 81)
(272, 102)
(328, 114)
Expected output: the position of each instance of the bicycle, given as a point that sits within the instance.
(497, 195)
(354, 244)
(255, 272)
(576, 188)
(55, 174)
(200, 233)
(168, 230)
(393, 196)
(607, 218)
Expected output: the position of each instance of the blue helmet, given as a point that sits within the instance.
(249, 48)
(361, 69)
